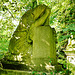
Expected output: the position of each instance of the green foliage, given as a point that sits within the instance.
(62, 19)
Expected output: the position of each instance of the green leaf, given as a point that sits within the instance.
(63, 37)
(66, 29)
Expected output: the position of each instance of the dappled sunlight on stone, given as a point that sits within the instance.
(46, 42)
(17, 37)
(41, 65)
(18, 57)
(49, 67)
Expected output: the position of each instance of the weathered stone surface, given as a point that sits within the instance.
(44, 47)
(14, 72)
(21, 41)
(18, 72)
(21, 44)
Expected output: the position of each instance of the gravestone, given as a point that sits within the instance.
(44, 47)
(21, 44)
(35, 37)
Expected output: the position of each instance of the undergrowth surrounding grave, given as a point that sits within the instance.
(61, 18)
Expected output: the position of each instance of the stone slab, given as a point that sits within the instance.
(19, 72)
(44, 47)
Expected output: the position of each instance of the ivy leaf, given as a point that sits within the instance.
(66, 29)
(73, 33)
(72, 28)
(63, 37)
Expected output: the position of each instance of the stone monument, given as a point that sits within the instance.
(44, 47)
(33, 42)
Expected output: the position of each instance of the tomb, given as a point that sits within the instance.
(33, 44)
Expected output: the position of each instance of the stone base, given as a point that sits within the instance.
(18, 72)
(14, 65)
(41, 64)
(14, 72)
(45, 65)
(48, 69)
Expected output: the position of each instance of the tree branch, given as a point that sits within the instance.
(9, 11)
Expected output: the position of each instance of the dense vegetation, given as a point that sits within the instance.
(61, 18)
